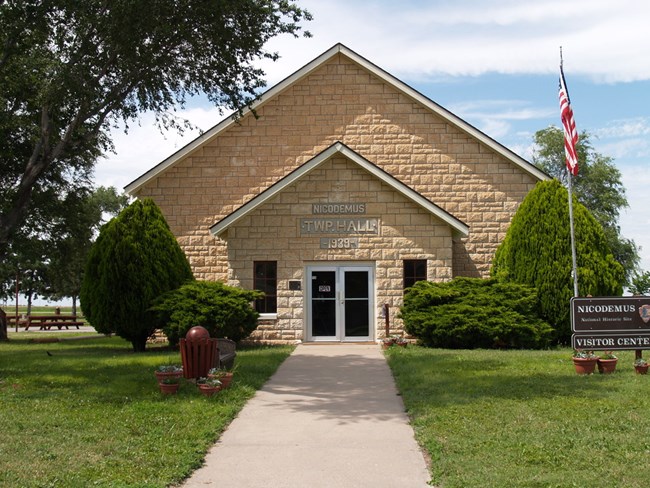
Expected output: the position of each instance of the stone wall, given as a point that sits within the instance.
(272, 232)
(341, 102)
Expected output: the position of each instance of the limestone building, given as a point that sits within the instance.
(345, 188)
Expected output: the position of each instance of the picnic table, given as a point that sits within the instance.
(46, 322)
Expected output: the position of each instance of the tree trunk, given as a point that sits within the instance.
(139, 344)
(3, 326)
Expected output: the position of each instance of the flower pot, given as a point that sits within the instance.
(585, 365)
(607, 366)
(168, 388)
(225, 378)
(160, 376)
(641, 369)
(208, 390)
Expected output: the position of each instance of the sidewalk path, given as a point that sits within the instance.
(329, 417)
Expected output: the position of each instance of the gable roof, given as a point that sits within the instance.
(305, 71)
(338, 148)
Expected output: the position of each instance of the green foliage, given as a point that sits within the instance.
(640, 284)
(68, 254)
(471, 313)
(597, 186)
(134, 260)
(225, 311)
(537, 251)
(70, 71)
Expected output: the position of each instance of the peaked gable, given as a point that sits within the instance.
(385, 77)
(339, 148)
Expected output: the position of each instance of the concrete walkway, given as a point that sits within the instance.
(329, 417)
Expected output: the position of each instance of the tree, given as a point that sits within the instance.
(640, 284)
(134, 260)
(597, 186)
(68, 257)
(537, 252)
(70, 71)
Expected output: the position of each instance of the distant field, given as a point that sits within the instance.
(38, 310)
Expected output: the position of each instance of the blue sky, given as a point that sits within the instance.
(493, 63)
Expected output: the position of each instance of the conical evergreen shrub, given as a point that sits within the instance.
(537, 252)
(135, 259)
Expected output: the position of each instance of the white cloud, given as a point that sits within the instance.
(638, 126)
(635, 220)
(604, 40)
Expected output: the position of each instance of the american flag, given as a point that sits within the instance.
(569, 124)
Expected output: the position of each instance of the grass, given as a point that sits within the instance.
(90, 413)
(525, 419)
(39, 309)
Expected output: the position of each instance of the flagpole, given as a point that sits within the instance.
(574, 260)
(572, 157)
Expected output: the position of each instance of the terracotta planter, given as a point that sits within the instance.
(208, 390)
(585, 365)
(607, 366)
(225, 378)
(641, 369)
(160, 376)
(168, 388)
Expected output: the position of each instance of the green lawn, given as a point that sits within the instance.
(525, 419)
(90, 413)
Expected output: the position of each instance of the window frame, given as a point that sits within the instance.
(410, 274)
(267, 306)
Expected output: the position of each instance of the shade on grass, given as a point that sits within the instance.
(90, 414)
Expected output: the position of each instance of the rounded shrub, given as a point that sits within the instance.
(468, 313)
(225, 311)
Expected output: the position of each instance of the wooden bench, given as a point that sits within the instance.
(46, 322)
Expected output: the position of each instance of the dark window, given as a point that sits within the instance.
(414, 270)
(266, 279)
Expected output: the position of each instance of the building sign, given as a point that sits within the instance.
(339, 243)
(339, 226)
(338, 208)
(610, 314)
(615, 323)
(607, 342)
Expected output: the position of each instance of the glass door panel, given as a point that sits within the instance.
(356, 303)
(323, 303)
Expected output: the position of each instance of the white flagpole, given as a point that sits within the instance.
(574, 270)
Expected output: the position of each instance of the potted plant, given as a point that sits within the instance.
(401, 341)
(169, 385)
(641, 366)
(224, 376)
(168, 371)
(607, 363)
(584, 361)
(208, 386)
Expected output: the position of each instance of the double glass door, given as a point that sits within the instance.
(340, 303)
